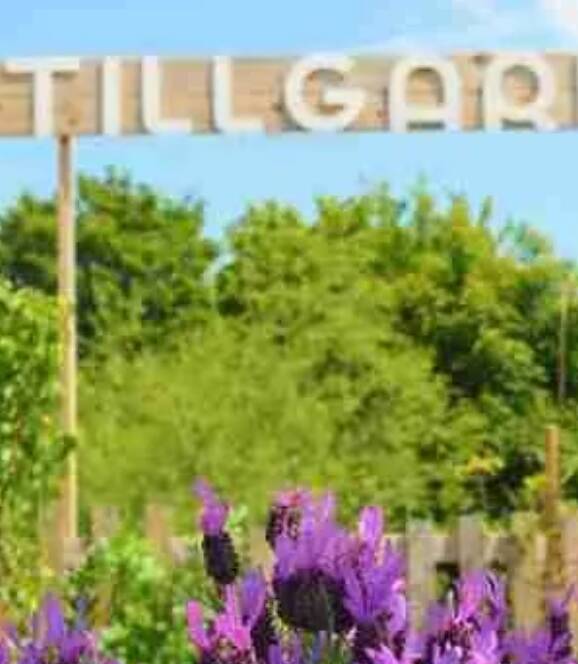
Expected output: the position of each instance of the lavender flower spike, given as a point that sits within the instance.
(214, 513)
(53, 640)
(227, 640)
(257, 612)
(221, 560)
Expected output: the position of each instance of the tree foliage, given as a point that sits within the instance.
(401, 350)
(141, 259)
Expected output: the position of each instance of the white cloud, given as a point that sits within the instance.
(563, 14)
(489, 25)
(475, 25)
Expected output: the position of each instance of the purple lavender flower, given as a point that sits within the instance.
(470, 627)
(374, 590)
(257, 610)
(53, 640)
(221, 560)
(307, 578)
(549, 645)
(370, 528)
(227, 639)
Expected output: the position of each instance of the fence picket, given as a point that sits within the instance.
(525, 572)
(158, 529)
(470, 543)
(421, 567)
(104, 522)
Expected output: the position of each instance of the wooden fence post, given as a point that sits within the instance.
(525, 571)
(553, 570)
(421, 568)
(104, 522)
(158, 530)
(470, 543)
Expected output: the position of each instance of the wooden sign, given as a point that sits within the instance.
(118, 96)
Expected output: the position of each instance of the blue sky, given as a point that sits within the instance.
(530, 176)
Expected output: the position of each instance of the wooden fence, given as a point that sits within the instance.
(431, 555)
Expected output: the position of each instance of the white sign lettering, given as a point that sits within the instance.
(115, 96)
(349, 100)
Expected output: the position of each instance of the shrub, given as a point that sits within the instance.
(31, 449)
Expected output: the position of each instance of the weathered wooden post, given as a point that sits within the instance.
(471, 543)
(554, 565)
(158, 530)
(421, 567)
(525, 571)
(66, 528)
(104, 524)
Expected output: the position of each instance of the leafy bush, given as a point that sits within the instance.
(31, 448)
(336, 406)
(137, 599)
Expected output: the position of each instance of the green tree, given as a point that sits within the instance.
(482, 304)
(338, 407)
(142, 259)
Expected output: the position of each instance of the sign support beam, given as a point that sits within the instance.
(68, 500)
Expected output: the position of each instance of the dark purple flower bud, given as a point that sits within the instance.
(307, 579)
(313, 601)
(221, 560)
(285, 514)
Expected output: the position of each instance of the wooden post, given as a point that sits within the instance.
(421, 564)
(104, 523)
(525, 572)
(553, 572)
(67, 507)
(158, 530)
(471, 543)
